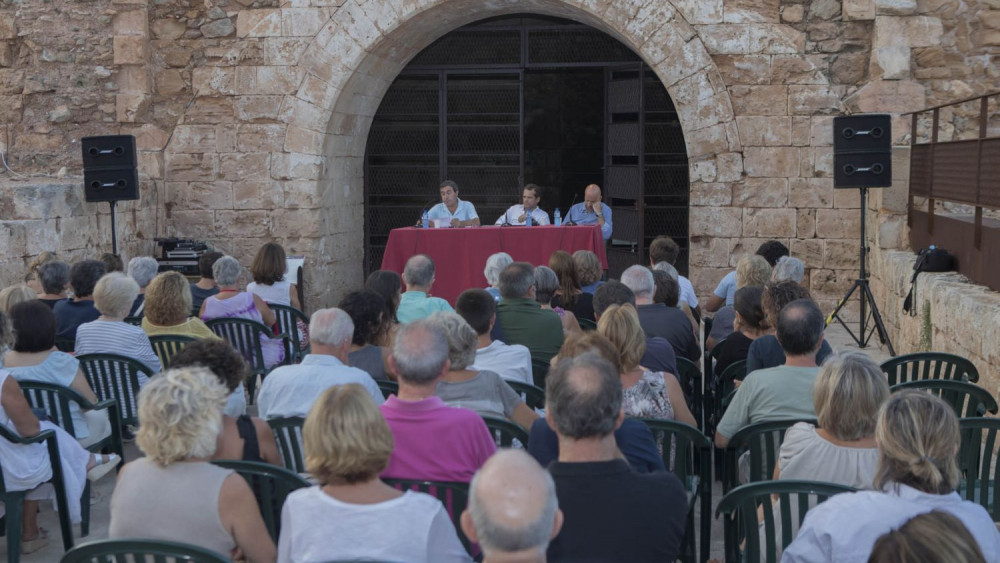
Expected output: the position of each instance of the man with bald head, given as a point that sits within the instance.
(591, 211)
(416, 302)
(513, 511)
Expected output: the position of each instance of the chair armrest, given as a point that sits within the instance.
(37, 438)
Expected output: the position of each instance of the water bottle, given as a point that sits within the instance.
(425, 219)
(558, 217)
(527, 218)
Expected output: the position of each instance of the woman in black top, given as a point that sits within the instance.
(570, 296)
(749, 324)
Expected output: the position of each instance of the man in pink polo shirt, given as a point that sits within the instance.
(433, 442)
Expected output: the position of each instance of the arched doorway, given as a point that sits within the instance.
(529, 99)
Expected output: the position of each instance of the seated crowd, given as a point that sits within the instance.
(397, 385)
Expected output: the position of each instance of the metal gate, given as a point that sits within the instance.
(457, 112)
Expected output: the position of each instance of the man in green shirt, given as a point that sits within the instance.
(783, 392)
(521, 319)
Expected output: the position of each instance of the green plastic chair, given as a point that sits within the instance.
(454, 497)
(55, 400)
(762, 440)
(539, 370)
(710, 357)
(742, 524)
(504, 432)
(691, 462)
(115, 377)
(586, 324)
(977, 460)
(270, 485)
(245, 335)
(967, 399)
(139, 550)
(387, 387)
(134, 321)
(288, 318)
(14, 500)
(929, 365)
(288, 433)
(691, 382)
(67, 345)
(166, 345)
(724, 386)
(533, 396)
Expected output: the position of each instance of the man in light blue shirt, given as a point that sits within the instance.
(517, 214)
(291, 390)
(591, 211)
(461, 213)
(415, 304)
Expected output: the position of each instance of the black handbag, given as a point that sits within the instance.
(931, 259)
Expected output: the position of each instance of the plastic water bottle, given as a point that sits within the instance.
(527, 218)
(558, 217)
(425, 219)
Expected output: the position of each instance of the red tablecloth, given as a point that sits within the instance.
(460, 254)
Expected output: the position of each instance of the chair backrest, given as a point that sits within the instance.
(112, 376)
(742, 524)
(134, 321)
(288, 433)
(929, 365)
(166, 345)
(977, 459)
(712, 356)
(539, 370)
(504, 432)
(55, 400)
(138, 550)
(387, 387)
(967, 399)
(691, 383)
(244, 335)
(725, 385)
(270, 485)
(533, 396)
(762, 440)
(67, 345)
(288, 318)
(454, 497)
(586, 324)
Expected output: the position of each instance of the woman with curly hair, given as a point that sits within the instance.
(367, 310)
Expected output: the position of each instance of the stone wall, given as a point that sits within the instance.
(251, 116)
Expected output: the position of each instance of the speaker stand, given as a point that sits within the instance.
(114, 229)
(864, 335)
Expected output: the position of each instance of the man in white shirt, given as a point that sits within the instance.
(291, 390)
(517, 214)
(461, 213)
(510, 361)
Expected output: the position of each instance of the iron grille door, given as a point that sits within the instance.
(623, 165)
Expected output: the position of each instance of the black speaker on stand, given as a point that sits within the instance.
(862, 158)
(110, 173)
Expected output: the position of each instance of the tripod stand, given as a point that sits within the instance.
(864, 335)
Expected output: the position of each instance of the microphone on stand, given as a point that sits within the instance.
(506, 220)
(427, 206)
(569, 222)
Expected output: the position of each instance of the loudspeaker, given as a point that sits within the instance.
(110, 168)
(862, 151)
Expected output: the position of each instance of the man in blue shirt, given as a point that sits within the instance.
(461, 213)
(591, 211)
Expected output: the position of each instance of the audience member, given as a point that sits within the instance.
(31, 278)
(665, 249)
(783, 392)
(243, 437)
(771, 250)
(366, 309)
(669, 323)
(14, 294)
(480, 390)
(917, 436)
(142, 269)
(667, 292)
(633, 437)
(522, 319)
(751, 271)
(510, 361)
(167, 308)
(54, 278)
(749, 324)
(433, 441)
(269, 283)
(612, 513)
(589, 270)
(173, 492)
(765, 351)
(71, 313)
(569, 295)
(513, 511)
(494, 265)
(789, 268)
(347, 445)
(35, 358)
(659, 355)
(546, 286)
(291, 390)
(205, 286)
(646, 394)
(232, 303)
(389, 286)
(416, 303)
(112, 262)
(931, 537)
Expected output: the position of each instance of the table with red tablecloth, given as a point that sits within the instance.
(460, 254)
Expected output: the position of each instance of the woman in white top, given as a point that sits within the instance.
(917, 439)
(268, 269)
(352, 514)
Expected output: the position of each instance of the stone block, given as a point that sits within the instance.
(759, 100)
(910, 31)
(810, 251)
(792, 13)
(303, 22)
(768, 223)
(296, 166)
(702, 171)
(303, 194)
(195, 139)
(847, 199)
(729, 167)
(275, 80)
(301, 113)
(238, 167)
(708, 141)
(726, 39)
(841, 254)
(810, 193)
(709, 194)
(776, 39)
(244, 224)
(168, 28)
(257, 108)
(700, 12)
(893, 232)
(185, 167)
(832, 284)
(130, 107)
(761, 192)
(758, 131)
(10, 109)
(191, 224)
(771, 162)
(213, 81)
(131, 22)
(849, 68)
(219, 28)
(751, 11)
(130, 50)
(805, 223)
(176, 58)
(260, 138)
(895, 96)
(893, 62)
(11, 82)
(258, 194)
(744, 69)
(151, 164)
(837, 223)
(799, 69)
(855, 10)
(299, 223)
(304, 141)
(895, 7)
(284, 51)
(6, 54)
(8, 25)
(211, 110)
(716, 221)
(199, 195)
(258, 23)
(170, 82)
(815, 100)
(318, 92)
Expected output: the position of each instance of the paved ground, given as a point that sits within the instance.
(102, 491)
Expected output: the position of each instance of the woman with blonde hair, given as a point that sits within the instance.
(32, 279)
(588, 270)
(167, 308)
(269, 283)
(347, 445)
(14, 294)
(646, 394)
(917, 439)
(751, 271)
(174, 492)
(932, 537)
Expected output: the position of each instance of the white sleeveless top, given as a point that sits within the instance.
(275, 294)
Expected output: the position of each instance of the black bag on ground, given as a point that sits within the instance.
(928, 260)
